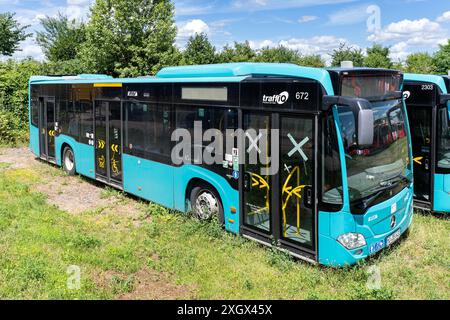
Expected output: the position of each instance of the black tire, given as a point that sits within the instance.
(205, 194)
(68, 161)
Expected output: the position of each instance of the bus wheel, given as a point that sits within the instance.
(206, 204)
(69, 161)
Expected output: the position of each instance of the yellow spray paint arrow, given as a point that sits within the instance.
(418, 160)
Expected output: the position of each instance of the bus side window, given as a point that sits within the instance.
(62, 116)
(148, 129)
(35, 111)
(72, 115)
(331, 168)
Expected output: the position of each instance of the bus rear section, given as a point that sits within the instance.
(322, 168)
(428, 107)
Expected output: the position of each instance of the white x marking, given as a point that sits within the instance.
(253, 143)
(298, 147)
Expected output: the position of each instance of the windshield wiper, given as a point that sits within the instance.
(394, 181)
(360, 206)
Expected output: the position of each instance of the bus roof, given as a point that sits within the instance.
(437, 80)
(230, 72)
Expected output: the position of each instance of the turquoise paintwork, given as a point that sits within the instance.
(149, 180)
(332, 253)
(233, 72)
(441, 193)
(167, 186)
(249, 69)
(59, 80)
(34, 131)
(34, 140)
(229, 196)
(375, 225)
(441, 190)
(437, 80)
(84, 155)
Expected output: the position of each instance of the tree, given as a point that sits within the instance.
(441, 59)
(419, 63)
(130, 37)
(378, 57)
(282, 54)
(11, 34)
(315, 61)
(240, 52)
(199, 50)
(62, 38)
(347, 53)
(279, 54)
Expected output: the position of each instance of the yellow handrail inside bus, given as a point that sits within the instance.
(291, 191)
(258, 180)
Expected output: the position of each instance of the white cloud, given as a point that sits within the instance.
(74, 9)
(306, 19)
(185, 8)
(445, 17)
(349, 16)
(258, 45)
(256, 5)
(192, 27)
(321, 45)
(409, 29)
(29, 49)
(399, 51)
(78, 2)
(408, 36)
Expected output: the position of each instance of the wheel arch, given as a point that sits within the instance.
(197, 181)
(64, 145)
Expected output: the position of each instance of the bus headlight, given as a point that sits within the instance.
(352, 240)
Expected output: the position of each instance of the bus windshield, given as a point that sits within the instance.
(370, 86)
(374, 172)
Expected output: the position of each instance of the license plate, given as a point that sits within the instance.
(393, 237)
(377, 246)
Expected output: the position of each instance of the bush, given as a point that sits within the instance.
(12, 129)
(14, 77)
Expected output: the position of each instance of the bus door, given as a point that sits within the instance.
(108, 142)
(278, 196)
(420, 121)
(47, 123)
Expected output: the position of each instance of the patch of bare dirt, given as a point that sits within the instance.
(145, 284)
(17, 158)
(128, 209)
(74, 195)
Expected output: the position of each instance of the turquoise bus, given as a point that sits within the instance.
(428, 107)
(340, 184)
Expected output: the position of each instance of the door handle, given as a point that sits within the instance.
(427, 164)
(247, 184)
(308, 197)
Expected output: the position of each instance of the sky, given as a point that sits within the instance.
(311, 26)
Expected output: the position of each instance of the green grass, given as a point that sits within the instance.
(38, 242)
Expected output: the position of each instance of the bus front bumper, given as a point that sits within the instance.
(333, 253)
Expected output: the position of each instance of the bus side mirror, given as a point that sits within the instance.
(363, 113)
(444, 98)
